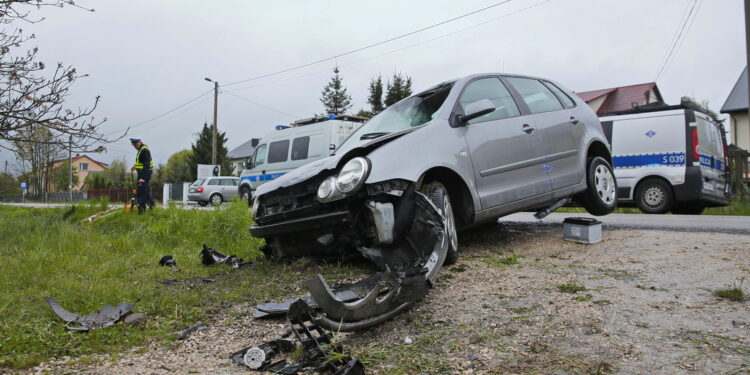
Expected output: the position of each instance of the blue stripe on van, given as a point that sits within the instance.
(709, 161)
(672, 159)
(262, 177)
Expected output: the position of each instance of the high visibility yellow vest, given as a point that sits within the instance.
(138, 164)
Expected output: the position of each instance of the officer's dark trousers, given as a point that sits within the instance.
(142, 195)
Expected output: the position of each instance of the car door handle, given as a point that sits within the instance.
(528, 129)
(574, 120)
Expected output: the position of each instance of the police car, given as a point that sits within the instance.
(669, 158)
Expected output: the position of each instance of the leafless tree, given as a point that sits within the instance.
(32, 97)
(36, 155)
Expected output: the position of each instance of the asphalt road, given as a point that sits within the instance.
(680, 223)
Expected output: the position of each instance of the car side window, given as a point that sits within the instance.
(278, 151)
(494, 90)
(214, 182)
(567, 102)
(260, 156)
(536, 96)
(300, 146)
(226, 182)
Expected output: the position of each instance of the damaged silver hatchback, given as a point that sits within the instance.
(400, 188)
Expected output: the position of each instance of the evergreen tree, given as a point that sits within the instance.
(202, 152)
(178, 168)
(334, 96)
(398, 88)
(376, 96)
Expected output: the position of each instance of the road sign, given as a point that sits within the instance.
(23, 186)
(207, 170)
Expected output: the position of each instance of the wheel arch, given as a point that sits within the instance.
(598, 148)
(217, 193)
(458, 191)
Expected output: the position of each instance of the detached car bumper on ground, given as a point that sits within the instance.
(397, 191)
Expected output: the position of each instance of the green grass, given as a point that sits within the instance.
(571, 288)
(733, 294)
(49, 252)
(510, 260)
(738, 207)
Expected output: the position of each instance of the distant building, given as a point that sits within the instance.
(618, 99)
(241, 153)
(85, 166)
(736, 107)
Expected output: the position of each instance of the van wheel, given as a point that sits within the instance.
(246, 195)
(654, 196)
(216, 199)
(600, 197)
(688, 209)
(438, 194)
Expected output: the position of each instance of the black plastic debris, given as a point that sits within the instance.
(185, 333)
(167, 261)
(106, 317)
(317, 348)
(209, 256)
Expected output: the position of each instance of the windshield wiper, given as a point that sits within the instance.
(372, 135)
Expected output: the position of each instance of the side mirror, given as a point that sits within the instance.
(247, 164)
(477, 109)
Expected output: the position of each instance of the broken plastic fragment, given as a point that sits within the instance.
(209, 256)
(106, 317)
(167, 261)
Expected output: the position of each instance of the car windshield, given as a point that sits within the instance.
(409, 113)
(198, 182)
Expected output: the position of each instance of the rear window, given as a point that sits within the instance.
(198, 182)
(300, 147)
(278, 151)
(564, 98)
(536, 96)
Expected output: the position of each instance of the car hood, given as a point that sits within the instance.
(330, 163)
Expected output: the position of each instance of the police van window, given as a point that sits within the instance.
(278, 151)
(260, 156)
(537, 96)
(214, 182)
(564, 98)
(494, 90)
(300, 146)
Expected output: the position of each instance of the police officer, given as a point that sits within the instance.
(144, 165)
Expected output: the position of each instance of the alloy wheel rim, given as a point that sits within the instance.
(605, 184)
(451, 222)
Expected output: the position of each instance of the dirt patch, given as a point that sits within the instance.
(642, 303)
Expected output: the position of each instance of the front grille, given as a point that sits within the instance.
(284, 202)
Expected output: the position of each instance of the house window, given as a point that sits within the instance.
(83, 166)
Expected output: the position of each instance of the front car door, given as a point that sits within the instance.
(505, 149)
(559, 130)
(258, 164)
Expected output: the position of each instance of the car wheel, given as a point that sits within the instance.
(438, 194)
(688, 209)
(654, 196)
(216, 199)
(600, 197)
(202, 203)
(246, 195)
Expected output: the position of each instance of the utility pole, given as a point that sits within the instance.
(216, 126)
(747, 48)
(70, 167)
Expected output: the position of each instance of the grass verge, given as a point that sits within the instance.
(49, 252)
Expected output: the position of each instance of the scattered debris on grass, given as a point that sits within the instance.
(185, 333)
(106, 317)
(571, 288)
(209, 256)
(167, 261)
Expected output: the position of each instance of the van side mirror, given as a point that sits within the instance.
(247, 164)
(476, 109)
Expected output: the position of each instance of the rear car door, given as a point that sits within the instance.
(504, 148)
(559, 130)
(711, 154)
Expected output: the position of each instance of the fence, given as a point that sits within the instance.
(55, 196)
(738, 163)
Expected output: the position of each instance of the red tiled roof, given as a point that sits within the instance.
(621, 98)
(104, 165)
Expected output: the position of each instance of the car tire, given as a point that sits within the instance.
(216, 199)
(688, 209)
(600, 197)
(438, 194)
(654, 196)
(246, 195)
(203, 203)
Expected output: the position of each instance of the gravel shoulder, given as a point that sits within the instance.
(506, 307)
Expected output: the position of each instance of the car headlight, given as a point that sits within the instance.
(325, 190)
(352, 175)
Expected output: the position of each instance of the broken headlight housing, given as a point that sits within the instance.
(351, 177)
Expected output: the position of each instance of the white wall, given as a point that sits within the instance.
(740, 130)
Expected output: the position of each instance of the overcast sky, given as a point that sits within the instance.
(145, 57)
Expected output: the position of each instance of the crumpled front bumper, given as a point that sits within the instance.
(316, 222)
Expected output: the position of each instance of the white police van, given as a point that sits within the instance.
(669, 158)
(293, 146)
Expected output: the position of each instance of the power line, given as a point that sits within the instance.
(686, 22)
(402, 48)
(370, 45)
(260, 105)
(180, 113)
(160, 115)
